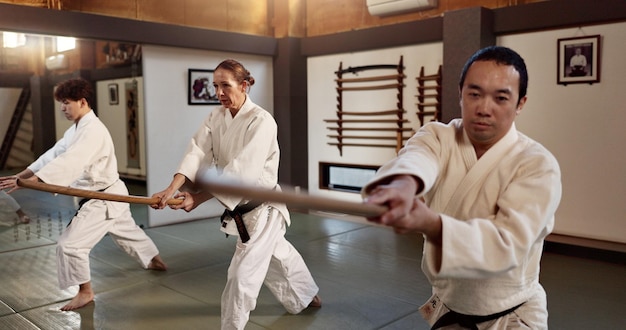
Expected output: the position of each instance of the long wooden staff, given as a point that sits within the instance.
(294, 199)
(304, 201)
(92, 194)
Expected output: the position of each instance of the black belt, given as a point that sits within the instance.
(82, 202)
(237, 215)
(469, 321)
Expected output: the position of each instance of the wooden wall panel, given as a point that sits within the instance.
(34, 3)
(330, 15)
(249, 17)
(207, 14)
(325, 17)
(167, 11)
(305, 18)
(288, 18)
(117, 8)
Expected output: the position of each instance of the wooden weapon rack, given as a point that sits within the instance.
(429, 96)
(369, 125)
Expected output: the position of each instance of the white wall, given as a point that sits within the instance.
(114, 117)
(170, 122)
(581, 124)
(322, 104)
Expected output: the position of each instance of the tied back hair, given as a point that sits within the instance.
(240, 73)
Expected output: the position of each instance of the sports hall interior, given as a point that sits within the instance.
(369, 277)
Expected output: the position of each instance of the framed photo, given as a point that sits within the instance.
(113, 94)
(200, 88)
(578, 60)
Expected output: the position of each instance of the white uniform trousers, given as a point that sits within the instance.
(8, 207)
(266, 258)
(86, 229)
(7, 201)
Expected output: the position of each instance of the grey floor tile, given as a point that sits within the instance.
(356, 268)
(50, 317)
(342, 308)
(146, 306)
(412, 321)
(29, 278)
(5, 309)
(140, 306)
(380, 240)
(574, 285)
(205, 284)
(24, 236)
(178, 254)
(16, 322)
(369, 278)
(306, 227)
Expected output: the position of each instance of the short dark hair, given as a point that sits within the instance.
(74, 89)
(500, 55)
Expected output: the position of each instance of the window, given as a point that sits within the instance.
(65, 43)
(13, 40)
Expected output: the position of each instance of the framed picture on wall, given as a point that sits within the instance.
(113, 94)
(200, 88)
(578, 60)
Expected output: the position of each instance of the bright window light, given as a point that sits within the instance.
(65, 43)
(13, 40)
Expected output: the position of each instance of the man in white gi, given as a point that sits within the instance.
(84, 158)
(484, 197)
(578, 64)
(239, 140)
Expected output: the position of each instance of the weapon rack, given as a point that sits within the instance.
(356, 125)
(429, 96)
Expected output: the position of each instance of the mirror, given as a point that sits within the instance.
(115, 69)
(110, 65)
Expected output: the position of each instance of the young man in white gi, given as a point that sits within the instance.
(239, 139)
(484, 197)
(84, 158)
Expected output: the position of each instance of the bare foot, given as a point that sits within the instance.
(22, 217)
(316, 302)
(157, 263)
(81, 299)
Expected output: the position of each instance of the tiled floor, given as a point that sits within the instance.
(369, 278)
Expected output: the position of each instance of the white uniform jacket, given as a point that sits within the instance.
(83, 158)
(243, 148)
(496, 212)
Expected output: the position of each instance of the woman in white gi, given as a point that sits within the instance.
(84, 158)
(484, 196)
(239, 139)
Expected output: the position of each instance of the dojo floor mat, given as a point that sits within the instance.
(369, 278)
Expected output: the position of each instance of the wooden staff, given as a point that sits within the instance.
(366, 121)
(395, 129)
(343, 144)
(371, 113)
(304, 201)
(376, 78)
(92, 194)
(248, 192)
(369, 88)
